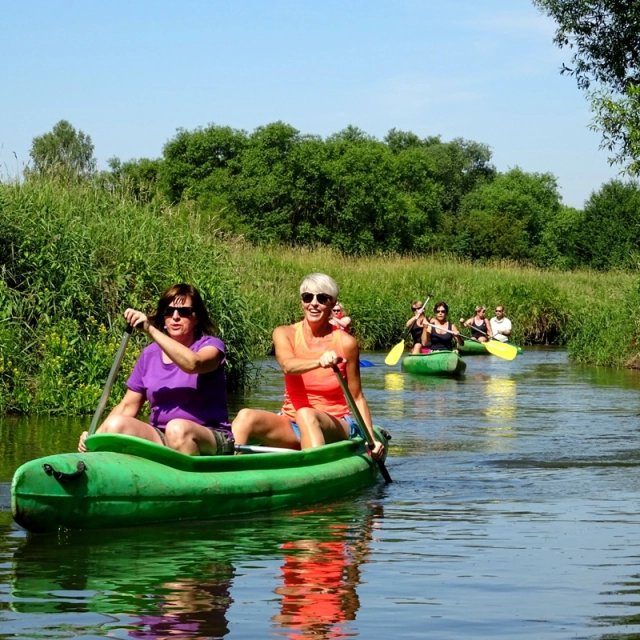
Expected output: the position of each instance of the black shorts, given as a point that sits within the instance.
(225, 445)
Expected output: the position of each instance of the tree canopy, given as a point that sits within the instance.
(63, 150)
(604, 38)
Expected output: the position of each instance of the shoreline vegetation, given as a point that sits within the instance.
(74, 255)
(244, 215)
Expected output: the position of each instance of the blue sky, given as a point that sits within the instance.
(130, 72)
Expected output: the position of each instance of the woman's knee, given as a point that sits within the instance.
(244, 423)
(113, 424)
(307, 417)
(178, 430)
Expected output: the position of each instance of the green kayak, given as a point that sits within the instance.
(472, 348)
(436, 363)
(125, 481)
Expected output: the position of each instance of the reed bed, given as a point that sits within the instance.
(72, 258)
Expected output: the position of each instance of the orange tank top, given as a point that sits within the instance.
(318, 389)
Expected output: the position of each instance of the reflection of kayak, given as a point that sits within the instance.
(126, 481)
(436, 363)
(471, 348)
(138, 572)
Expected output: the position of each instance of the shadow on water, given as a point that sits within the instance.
(177, 581)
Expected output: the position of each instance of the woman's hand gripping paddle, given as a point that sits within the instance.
(362, 428)
(396, 353)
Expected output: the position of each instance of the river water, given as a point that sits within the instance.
(513, 514)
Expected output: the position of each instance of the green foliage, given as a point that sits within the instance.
(137, 178)
(546, 307)
(349, 190)
(73, 260)
(604, 37)
(610, 232)
(506, 218)
(63, 151)
(618, 118)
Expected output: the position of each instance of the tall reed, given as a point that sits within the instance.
(72, 259)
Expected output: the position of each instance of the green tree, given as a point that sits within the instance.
(604, 37)
(64, 151)
(139, 177)
(610, 232)
(507, 217)
(197, 162)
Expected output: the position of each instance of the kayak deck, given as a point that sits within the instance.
(125, 481)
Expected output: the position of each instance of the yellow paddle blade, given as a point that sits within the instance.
(501, 349)
(395, 354)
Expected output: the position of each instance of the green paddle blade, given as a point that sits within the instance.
(501, 349)
(395, 354)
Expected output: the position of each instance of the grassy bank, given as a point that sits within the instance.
(596, 315)
(73, 257)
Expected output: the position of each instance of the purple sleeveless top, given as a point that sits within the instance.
(172, 393)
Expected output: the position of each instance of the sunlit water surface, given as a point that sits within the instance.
(513, 514)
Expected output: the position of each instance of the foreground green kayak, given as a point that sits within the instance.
(436, 363)
(125, 481)
(472, 348)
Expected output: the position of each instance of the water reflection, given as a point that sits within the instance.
(501, 407)
(178, 582)
(319, 583)
(394, 385)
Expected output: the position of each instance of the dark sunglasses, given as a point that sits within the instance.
(183, 312)
(322, 298)
(441, 311)
(499, 310)
(416, 308)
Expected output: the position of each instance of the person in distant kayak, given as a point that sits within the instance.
(440, 334)
(415, 324)
(181, 374)
(479, 325)
(338, 318)
(500, 325)
(315, 411)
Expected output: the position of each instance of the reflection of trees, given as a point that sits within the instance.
(173, 589)
(319, 582)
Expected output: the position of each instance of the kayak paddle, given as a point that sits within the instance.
(364, 432)
(500, 349)
(396, 353)
(110, 380)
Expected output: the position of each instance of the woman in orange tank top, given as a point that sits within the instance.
(315, 411)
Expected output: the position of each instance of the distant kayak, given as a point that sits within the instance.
(436, 363)
(366, 363)
(472, 348)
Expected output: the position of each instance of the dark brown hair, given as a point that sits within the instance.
(441, 304)
(204, 327)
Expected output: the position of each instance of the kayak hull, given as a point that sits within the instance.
(471, 348)
(436, 363)
(129, 482)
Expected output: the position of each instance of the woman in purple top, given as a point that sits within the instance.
(181, 374)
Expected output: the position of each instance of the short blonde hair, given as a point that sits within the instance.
(480, 307)
(320, 283)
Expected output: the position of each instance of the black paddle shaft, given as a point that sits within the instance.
(360, 422)
(110, 379)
